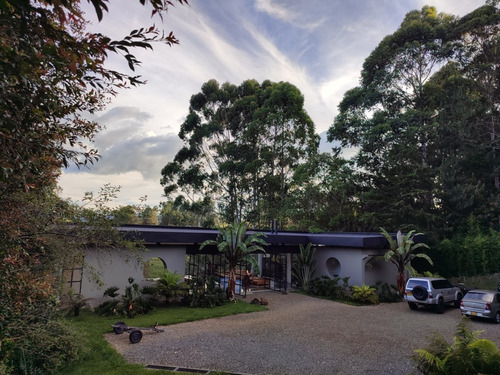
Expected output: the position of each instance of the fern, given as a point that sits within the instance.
(365, 294)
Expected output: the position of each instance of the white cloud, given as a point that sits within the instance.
(274, 10)
(454, 7)
(133, 187)
(294, 17)
(319, 46)
(130, 157)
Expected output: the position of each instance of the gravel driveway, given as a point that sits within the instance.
(300, 335)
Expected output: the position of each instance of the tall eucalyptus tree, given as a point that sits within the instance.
(387, 118)
(241, 146)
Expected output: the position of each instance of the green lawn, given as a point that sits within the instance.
(100, 358)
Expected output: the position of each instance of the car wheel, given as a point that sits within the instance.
(412, 305)
(457, 301)
(135, 336)
(440, 306)
(119, 327)
(497, 317)
(420, 292)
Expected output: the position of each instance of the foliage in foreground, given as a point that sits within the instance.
(468, 354)
(51, 72)
(101, 358)
(39, 343)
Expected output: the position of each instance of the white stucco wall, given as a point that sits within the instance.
(352, 263)
(380, 270)
(114, 267)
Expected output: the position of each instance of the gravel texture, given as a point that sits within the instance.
(300, 335)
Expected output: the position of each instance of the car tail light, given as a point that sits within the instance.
(461, 303)
(430, 295)
(488, 307)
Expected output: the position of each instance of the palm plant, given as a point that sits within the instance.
(170, 284)
(401, 252)
(237, 247)
(304, 267)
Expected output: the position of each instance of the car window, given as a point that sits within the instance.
(441, 284)
(484, 297)
(413, 283)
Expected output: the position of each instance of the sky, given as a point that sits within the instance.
(317, 45)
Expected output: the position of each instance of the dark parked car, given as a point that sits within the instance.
(481, 304)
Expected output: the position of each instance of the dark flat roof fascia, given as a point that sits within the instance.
(183, 235)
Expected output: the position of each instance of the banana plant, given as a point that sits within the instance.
(401, 252)
(304, 267)
(233, 242)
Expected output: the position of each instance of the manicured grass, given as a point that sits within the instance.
(100, 358)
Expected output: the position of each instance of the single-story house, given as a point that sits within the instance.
(352, 255)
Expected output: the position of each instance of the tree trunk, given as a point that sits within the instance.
(231, 284)
(401, 283)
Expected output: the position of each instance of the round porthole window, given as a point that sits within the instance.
(333, 267)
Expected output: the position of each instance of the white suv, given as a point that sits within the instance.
(431, 291)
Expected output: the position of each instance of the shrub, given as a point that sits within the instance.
(149, 290)
(170, 285)
(330, 288)
(132, 302)
(41, 343)
(364, 294)
(112, 292)
(387, 293)
(209, 295)
(468, 354)
(107, 308)
(75, 303)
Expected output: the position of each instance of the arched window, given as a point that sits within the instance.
(154, 268)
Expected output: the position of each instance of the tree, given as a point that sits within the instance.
(233, 242)
(181, 212)
(323, 196)
(388, 119)
(51, 72)
(401, 252)
(241, 146)
(478, 63)
(125, 215)
(425, 121)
